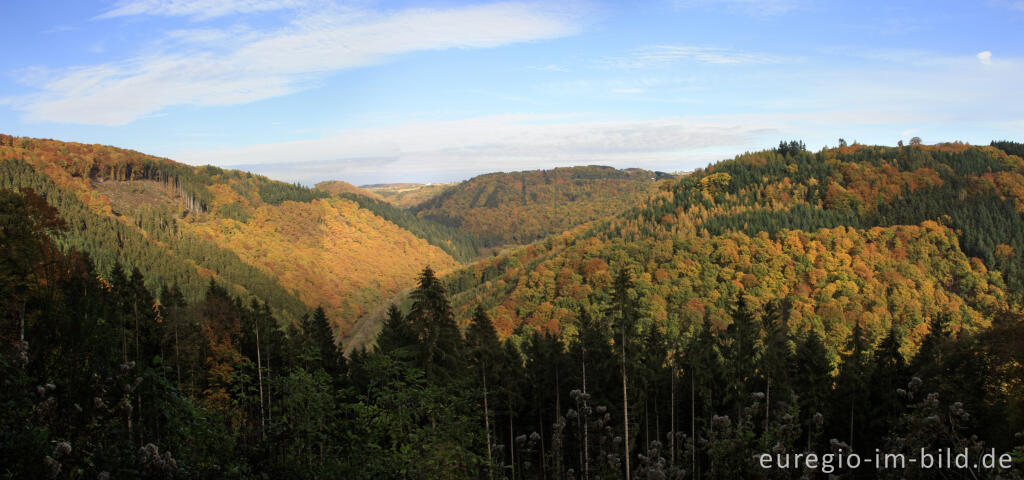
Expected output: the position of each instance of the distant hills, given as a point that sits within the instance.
(521, 207)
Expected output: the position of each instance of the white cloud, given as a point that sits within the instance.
(198, 9)
(664, 55)
(985, 57)
(504, 142)
(208, 67)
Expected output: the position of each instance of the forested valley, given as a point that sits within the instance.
(784, 301)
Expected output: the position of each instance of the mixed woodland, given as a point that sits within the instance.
(521, 207)
(165, 321)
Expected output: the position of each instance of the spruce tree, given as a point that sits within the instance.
(742, 355)
(440, 343)
(396, 337)
(888, 373)
(484, 353)
(625, 314)
(318, 329)
(812, 379)
(851, 391)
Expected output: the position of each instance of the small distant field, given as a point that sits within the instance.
(407, 195)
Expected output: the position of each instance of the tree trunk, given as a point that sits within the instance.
(586, 437)
(177, 352)
(512, 444)
(487, 425)
(625, 402)
(259, 374)
(672, 415)
(693, 421)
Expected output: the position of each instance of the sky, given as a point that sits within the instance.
(379, 92)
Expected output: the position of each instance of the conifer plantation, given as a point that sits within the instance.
(164, 321)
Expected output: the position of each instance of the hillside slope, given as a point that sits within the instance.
(289, 246)
(872, 236)
(462, 246)
(521, 207)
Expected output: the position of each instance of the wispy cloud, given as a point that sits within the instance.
(760, 8)
(197, 9)
(195, 67)
(664, 55)
(985, 57)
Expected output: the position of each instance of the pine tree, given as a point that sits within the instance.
(484, 352)
(322, 338)
(742, 356)
(440, 343)
(592, 352)
(776, 362)
(706, 374)
(852, 390)
(396, 337)
(625, 315)
(888, 373)
(812, 379)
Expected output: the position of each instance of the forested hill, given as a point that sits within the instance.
(521, 207)
(338, 187)
(861, 235)
(292, 247)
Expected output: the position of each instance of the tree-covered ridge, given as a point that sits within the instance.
(883, 235)
(338, 187)
(521, 207)
(1011, 148)
(288, 245)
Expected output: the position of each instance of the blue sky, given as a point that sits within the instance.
(370, 92)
